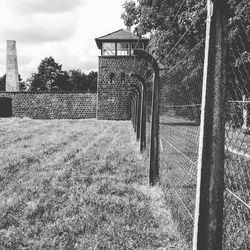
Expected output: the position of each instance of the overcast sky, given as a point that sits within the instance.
(63, 29)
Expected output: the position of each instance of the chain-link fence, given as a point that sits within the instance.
(180, 102)
(237, 140)
(148, 118)
(179, 131)
(143, 72)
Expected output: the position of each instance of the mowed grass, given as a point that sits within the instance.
(178, 171)
(78, 184)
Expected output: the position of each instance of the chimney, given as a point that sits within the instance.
(128, 28)
(12, 83)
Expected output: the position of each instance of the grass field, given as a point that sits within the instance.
(78, 184)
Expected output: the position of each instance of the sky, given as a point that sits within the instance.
(63, 29)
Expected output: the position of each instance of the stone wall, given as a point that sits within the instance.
(113, 97)
(52, 105)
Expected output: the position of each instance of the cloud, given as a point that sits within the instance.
(2, 64)
(24, 60)
(2, 57)
(85, 65)
(43, 6)
(64, 29)
(73, 61)
(41, 28)
(90, 64)
(37, 35)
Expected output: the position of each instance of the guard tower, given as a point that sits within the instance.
(115, 65)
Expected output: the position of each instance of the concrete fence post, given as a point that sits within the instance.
(245, 114)
(139, 94)
(132, 109)
(154, 143)
(208, 231)
(136, 117)
(143, 112)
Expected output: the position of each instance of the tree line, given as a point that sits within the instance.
(51, 77)
(167, 20)
(176, 27)
(22, 84)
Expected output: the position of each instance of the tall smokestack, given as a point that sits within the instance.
(12, 83)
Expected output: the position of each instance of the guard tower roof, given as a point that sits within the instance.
(117, 36)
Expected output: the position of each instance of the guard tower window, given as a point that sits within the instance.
(111, 77)
(108, 49)
(123, 49)
(136, 45)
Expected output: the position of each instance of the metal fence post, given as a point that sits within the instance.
(154, 147)
(210, 177)
(143, 112)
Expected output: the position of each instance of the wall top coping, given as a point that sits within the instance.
(47, 92)
(116, 56)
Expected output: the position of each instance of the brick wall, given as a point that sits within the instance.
(113, 97)
(51, 105)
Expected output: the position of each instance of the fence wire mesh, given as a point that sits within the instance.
(180, 110)
(142, 68)
(237, 139)
(148, 117)
(180, 101)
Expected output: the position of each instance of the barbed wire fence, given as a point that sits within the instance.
(180, 106)
(237, 138)
(181, 89)
(143, 70)
(148, 116)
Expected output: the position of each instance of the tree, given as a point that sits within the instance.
(165, 21)
(91, 81)
(2, 82)
(182, 24)
(62, 82)
(50, 77)
(238, 88)
(22, 84)
(168, 20)
(130, 15)
(77, 80)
